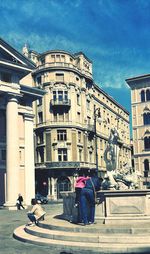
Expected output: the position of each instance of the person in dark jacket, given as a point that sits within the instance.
(19, 202)
(87, 199)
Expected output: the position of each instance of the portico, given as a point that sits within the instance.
(17, 174)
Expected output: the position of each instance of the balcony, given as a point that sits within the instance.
(63, 65)
(63, 164)
(60, 103)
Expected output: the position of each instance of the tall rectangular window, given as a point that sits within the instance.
(62, 154)
(40, 115)
(66, 95)
(60, 95)
(78, 99)
(79, 136)
(80, 154)
(39, 80)
(61, 135)
(54, 95)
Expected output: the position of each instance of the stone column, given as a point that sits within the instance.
(12, 152)
(53, 187)
(29, 159)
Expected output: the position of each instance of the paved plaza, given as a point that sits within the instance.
(9, 220)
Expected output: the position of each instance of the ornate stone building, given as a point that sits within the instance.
(140, 100)
(73, 121)
(16, 127)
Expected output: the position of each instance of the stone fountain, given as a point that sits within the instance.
(120, 200)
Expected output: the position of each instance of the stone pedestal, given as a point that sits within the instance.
(116, 207)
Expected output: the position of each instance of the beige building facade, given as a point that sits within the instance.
(16, 127)
(140, 101)
(73, 121)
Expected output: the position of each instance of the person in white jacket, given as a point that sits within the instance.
(37, 213)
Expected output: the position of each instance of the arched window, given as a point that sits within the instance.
(147, 143)
(146, 118)
(142, 95)
(148, 95)
(146, 165)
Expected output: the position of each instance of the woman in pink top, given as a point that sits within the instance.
(80, 183)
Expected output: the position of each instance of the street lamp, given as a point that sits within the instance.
(97, 114)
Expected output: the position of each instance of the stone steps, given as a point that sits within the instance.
(97, 238)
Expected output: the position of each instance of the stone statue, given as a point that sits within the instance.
(111, 156)
(112, 151)
(124, 178)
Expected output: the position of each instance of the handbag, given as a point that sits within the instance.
(97, 201)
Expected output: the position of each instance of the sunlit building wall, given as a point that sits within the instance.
(65, 139)
(140, 101)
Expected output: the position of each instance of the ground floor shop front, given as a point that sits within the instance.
(53, 181)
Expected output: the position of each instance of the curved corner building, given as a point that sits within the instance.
(67, 128)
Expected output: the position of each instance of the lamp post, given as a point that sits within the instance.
(97, 114)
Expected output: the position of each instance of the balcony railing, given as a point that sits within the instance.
(64, 65)
(64, 102)
(63, 164)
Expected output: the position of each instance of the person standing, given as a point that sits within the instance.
(79, 184)
(87, 199)
(19, 202)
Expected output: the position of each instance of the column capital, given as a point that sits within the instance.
(28, 116)
(12, 97)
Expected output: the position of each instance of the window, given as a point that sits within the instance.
(40, 115)
(60, 95)
(142, 96)
(41, 155)
(62, 154)
(66, 95)
(146, 165)
(80, 154)
(147, 143)
(57, 58)
(39, 80)
(40, 138)
(63, 58)
(79, 136)
(54, 95)
(146, 118)
(148, 95)
(6, 77)
(78, 99)
(53, 58)
(60, 77)
(61, 135)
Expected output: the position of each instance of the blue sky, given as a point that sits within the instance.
(114, 34)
